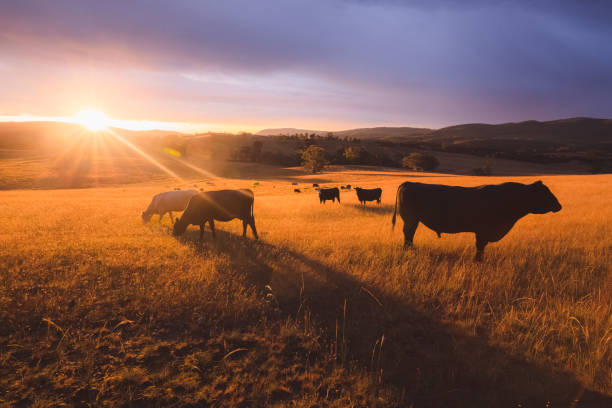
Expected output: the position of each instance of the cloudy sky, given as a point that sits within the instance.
(244, 65)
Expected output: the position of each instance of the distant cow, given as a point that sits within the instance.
(315, 185)
(220, 205)
(364, 194)
(167, 202)
(348, 186)
(490, 211)
(341, 187)
(329, 194)
(294, 184)
(297, 190)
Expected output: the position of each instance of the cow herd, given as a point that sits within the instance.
(363, 195)
(489, 211)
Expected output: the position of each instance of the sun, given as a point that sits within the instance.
(92, 119)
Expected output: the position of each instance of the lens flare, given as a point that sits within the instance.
(92, 119)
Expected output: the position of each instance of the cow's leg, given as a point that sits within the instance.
(481, 242)
(410, 226)
(161, 216)
(171, 217)
(244, 226)
(252, 224)
(212, 227)
(202, 226)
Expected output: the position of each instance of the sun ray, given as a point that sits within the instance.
(198, 169)
(143, 154)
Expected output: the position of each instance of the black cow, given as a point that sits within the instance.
(297, 190)
(329, 194)
(489, 211)
(315, 185)
(348, 186)
(220, 205)
(364, 194)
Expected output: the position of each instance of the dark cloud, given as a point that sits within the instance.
(441, 61)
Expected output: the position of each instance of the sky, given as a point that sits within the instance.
(243, 65)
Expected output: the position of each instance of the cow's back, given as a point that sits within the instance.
(458, 209)
(222, 205)
(176, 200)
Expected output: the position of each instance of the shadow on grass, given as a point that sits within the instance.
(374, 208)
(431, 362)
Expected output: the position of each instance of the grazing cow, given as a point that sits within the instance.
(297, 190)
(315, 185)
(348, 186)
(220, 205)
(341, 187)
(490, 211)
(329, 194)
(167, 202)
(364, 194)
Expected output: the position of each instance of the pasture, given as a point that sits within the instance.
(326, 309)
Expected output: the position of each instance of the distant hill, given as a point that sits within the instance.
(289, 131)
(53, 135)
(575, 131)
(383, 132)
(360, 133)
(584, 139)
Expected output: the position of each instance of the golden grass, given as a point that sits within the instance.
(326, 309)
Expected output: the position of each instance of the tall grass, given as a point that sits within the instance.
(326, 308)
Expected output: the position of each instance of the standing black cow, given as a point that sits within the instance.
(220, 205)
(329, 194)
(489, 211)
(364, 194)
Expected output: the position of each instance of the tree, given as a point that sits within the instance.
(353, 154)
(420, 161)
(313, 158)
(245, 153)
(256, 150)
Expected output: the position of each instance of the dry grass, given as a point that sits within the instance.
(326, 309)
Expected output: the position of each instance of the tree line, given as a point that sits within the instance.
(314, 157)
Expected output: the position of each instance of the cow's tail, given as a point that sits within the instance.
(395, 209)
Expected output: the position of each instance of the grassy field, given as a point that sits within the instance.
(326, 309)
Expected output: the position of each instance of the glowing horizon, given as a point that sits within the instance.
(133, 124)
(196, 127)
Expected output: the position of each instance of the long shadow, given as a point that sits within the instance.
(432, 362)
(374, 208)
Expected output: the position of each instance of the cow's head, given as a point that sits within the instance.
(179, 227)
(541, 199)
(146, 217)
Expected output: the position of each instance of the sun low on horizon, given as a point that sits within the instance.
(92, 119)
